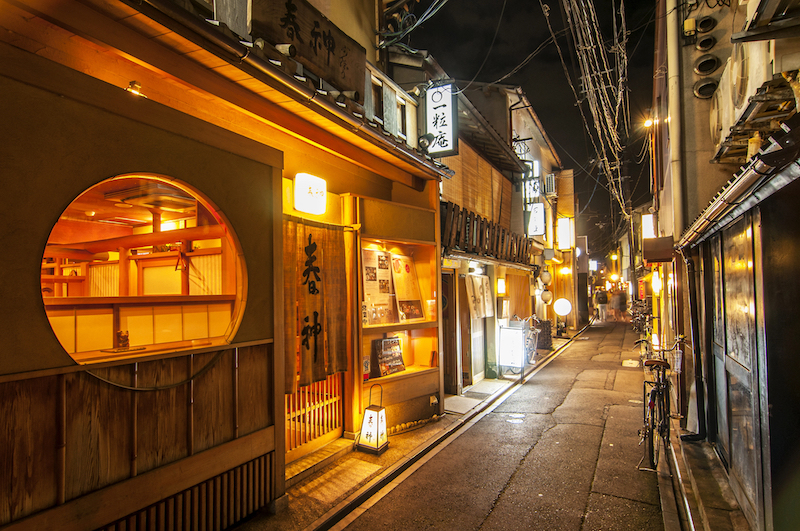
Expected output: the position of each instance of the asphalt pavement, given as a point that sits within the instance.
(559, 452)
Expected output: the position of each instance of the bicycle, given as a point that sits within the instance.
(640, 312)
(656, 409)
(532, 331)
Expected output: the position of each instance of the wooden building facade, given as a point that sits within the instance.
(148, 154)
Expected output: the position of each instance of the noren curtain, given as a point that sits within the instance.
(315, 295)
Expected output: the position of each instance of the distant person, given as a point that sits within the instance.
(601, 299)
(621, 306)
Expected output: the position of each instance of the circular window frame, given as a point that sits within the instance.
(189, 243)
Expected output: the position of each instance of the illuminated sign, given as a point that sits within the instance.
(565, 233)
(310, 194)
(648, 226)
(536, 224)
(441, 115)
(533, 187)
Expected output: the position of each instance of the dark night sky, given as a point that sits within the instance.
(459, 37)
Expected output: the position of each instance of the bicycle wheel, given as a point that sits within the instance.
(664, 404)
(653, 425)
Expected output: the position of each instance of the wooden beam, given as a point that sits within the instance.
(345, 143)
(206, 232)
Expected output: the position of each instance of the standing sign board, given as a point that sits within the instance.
(441, 120)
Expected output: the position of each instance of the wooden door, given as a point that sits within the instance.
(452, 377)
(465, 328)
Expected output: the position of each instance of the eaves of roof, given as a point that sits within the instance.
(264, 77)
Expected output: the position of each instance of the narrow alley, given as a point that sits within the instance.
(559, 452)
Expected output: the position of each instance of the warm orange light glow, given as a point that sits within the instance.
(310, 194)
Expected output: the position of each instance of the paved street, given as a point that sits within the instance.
(559, 453)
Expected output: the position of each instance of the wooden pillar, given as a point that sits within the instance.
(124, 272)
(186, 246)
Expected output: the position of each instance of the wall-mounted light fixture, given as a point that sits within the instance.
(135, 88)
(424, 142)
(655, 282)
(310, 194)
(501, 287)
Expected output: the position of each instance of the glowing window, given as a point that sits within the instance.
(138, 264)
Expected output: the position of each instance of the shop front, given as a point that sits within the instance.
(487, 279)
(137, 374)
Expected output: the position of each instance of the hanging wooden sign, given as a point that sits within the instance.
(322, 48)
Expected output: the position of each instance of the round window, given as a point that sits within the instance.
(140, 263)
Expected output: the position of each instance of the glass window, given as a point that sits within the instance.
(140, 263)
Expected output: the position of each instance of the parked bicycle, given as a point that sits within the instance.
(656, 393)
(641, 315)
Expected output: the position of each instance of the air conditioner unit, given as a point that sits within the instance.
(550, 184)
(721, 115)
(752, 95)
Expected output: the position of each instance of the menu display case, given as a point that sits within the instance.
(398, 308)
(397, 274)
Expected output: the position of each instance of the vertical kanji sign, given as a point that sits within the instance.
(441, 115)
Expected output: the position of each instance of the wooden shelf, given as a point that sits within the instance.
(409, 372)
(63, 278)
(130, 301)
(398, 327)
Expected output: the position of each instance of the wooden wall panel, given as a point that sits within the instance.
(484, 201)
(255, 389)
(163, 416)
(505, 213)
(99, 430)
(497, 192)
(477, 186)
(28, 442)
(213, 411)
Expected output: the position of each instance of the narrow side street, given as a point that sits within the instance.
(558, 453)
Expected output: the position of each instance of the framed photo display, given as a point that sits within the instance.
(409, 300)
(379, 302)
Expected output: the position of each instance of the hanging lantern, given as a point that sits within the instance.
(373, 437)
(546, 277)
(547, 296)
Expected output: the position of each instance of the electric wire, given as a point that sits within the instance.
(488, 52)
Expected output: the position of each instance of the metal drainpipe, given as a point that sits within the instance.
(674, 94)
(698, 360)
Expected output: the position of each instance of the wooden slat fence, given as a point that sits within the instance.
(313, 411)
